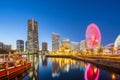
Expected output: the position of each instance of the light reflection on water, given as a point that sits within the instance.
(44, 68)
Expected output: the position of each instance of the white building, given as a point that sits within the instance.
(83, 45)
(117, 45)
(55, 41)
(117, 42)
(65, 41)
(75, 46)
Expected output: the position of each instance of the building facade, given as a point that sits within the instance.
(32, 37)
(1, 46)
(44, 46)
(7, 47)
(20, 45)
(83, 45)
(75, 46)
(65, 41)
(26, 47)
(117, 42)
(55, 41)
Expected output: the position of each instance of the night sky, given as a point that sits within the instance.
(69, 18)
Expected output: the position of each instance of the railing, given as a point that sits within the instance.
(9, 65)
(11, 61)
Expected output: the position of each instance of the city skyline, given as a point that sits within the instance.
(68, 18)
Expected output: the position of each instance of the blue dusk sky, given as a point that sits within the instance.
(69, 18)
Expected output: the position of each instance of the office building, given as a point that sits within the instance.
(55, 41)
(32, 37)
(83, 45)
(7, 47)
(20, 45)
(65, 41)
(1, 46)
(44, 46)
(75, 46)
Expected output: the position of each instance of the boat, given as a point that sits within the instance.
(14, 64)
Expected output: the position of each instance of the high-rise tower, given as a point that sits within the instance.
(44, 46)
(32, 37)
(55, 41)
(20, 45)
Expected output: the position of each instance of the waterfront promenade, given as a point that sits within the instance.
(107, 62)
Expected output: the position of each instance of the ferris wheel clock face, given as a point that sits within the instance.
(93, 36)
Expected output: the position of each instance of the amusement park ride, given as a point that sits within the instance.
(93, 36)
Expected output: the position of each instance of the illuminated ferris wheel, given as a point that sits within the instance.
(93, 36)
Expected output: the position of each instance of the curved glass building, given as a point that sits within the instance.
(117, 42)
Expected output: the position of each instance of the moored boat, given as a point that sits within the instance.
(13, 64)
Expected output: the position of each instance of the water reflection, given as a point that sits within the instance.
(55, 69)
(64, 64)
(33, 73)
(92, 72)
(44, 61)
(44, 68)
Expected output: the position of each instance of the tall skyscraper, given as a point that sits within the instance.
(55, 41)
(44, 46)
(32, 37)
(20, 45)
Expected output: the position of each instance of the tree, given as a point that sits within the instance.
(100, 50)
(112, 49)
